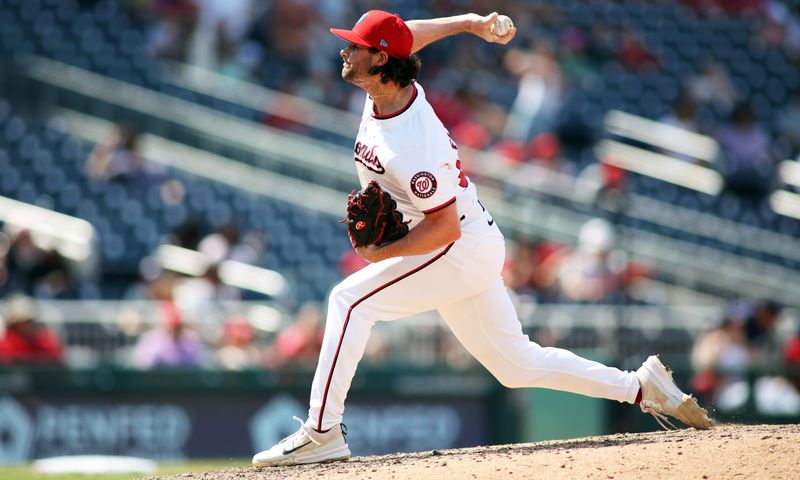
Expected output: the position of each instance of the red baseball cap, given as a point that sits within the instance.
(382, 30)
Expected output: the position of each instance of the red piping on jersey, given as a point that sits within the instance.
(436, 209)
(378, 116)
(347, 320)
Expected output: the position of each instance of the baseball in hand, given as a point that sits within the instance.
(502, 26)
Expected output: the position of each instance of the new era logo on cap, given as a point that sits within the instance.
(382, 30)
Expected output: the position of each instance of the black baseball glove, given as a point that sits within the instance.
(373, 218)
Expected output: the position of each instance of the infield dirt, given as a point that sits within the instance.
(724, 452)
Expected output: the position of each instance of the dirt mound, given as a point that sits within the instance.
(728, 451)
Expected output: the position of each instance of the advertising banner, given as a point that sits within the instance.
(169, 425)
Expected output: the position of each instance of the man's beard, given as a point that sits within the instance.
(349, 75)
(352, 75)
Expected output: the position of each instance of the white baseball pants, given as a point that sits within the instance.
(463, 282)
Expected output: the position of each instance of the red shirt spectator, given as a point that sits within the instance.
(299, 343)
(634, 54)
(25, 341)
(792, 351)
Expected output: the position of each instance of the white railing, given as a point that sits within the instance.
(231, 272)
(72, 237)
(783, 201)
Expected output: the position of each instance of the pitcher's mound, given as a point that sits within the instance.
(725, 451)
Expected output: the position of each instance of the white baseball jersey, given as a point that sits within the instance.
(412, 157)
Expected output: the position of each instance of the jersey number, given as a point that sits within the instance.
(462, 179)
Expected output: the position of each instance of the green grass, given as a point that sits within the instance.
(25, 472)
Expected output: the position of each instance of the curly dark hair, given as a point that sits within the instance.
(400, 70)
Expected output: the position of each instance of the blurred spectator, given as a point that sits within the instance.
(760, 328)
(775, 395)
(548, 257)
(36, 271)
(285, 29)
(220, 26)
(578, 68)
(713, 87)
(780, 395)
(457, 110)
(451, 105)
(540, 92)
(791, 351)
(520, 266)
(721, 357)
(174, 27)
(791, 356)
(299, 343)
(633, 54)
(25, 341)
(226, 243)
(726, 355)
(238, 350)
(155, 283)
(172, 343)
(602, 42)
(532, 268)
(187, 235)
(544, 150)
(747, 166)
(683, 114)
(590, 274)
(198, 295)
(510, 151)
(202, 300)
(779, 27)
(117, 159)
(24, 258)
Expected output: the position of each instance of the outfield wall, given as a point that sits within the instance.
(203, 414)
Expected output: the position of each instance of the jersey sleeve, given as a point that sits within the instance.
(429, 184)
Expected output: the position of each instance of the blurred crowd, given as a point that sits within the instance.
(166, 335)
(517, 103)
(169, 337)
(743, 343)
(595, 270)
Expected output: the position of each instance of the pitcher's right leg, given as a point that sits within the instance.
(488, 327)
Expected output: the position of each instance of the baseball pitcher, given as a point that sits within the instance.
(449, 258)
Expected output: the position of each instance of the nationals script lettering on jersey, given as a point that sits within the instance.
(367, 157)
